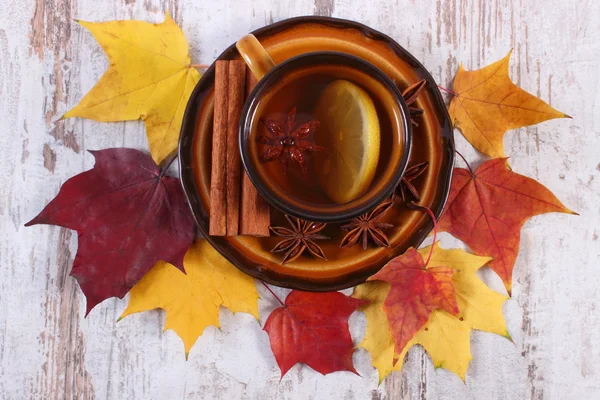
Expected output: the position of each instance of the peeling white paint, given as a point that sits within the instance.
(47, 349)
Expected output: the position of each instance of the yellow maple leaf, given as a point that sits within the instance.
(445, 338)
(192, 300)
(149, 78)
(487, 103)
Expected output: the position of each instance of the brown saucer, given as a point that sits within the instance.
(433, 142)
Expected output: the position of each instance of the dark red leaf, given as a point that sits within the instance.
(127, 217)
(312, 328)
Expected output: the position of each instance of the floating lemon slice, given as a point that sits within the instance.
(349, 132)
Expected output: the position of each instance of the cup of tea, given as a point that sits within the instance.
(324, 136)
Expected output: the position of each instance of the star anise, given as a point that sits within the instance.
(293, 142)
(410, 96)
(405, 186)
(299, 238)
(367, 226)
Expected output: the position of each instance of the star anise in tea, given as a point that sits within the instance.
(406, 187)
(290, 142)
(300, 237)
(368, 226)
(410, 95)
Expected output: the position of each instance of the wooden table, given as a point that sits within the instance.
(48, 350)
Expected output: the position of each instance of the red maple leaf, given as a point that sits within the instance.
(127, 216)
(487, 208)
(312, 328)
(414, 293)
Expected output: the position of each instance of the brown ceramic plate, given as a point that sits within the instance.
(433, 142)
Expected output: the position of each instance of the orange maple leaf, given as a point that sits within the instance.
(415, 292)
(487, 104)
(487, 208)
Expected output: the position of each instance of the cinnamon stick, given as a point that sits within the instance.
(236, 98)
(218, 177)
(255, 213)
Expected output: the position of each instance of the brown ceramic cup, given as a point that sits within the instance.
(389, 100)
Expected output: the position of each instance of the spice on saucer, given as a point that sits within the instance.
(235, 205)
(235, 103)
(300, 237)
(405, 186)
(218, 175)
(366, 227)
(410, 95)
(255, 212)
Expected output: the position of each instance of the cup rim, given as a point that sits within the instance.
(252, 172)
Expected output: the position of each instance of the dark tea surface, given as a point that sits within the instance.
(301, 90)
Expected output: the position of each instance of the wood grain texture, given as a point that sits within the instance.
(47, 349)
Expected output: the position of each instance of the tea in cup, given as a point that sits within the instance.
(324, 136)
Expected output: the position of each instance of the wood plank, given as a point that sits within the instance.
(47, 350)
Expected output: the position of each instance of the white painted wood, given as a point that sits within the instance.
(48, 350)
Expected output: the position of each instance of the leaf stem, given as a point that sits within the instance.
(166, 163)
(428, 211)
(466, 162)
(273, 293)
(447, 90)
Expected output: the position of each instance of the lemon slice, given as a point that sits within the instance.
(349, 132)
